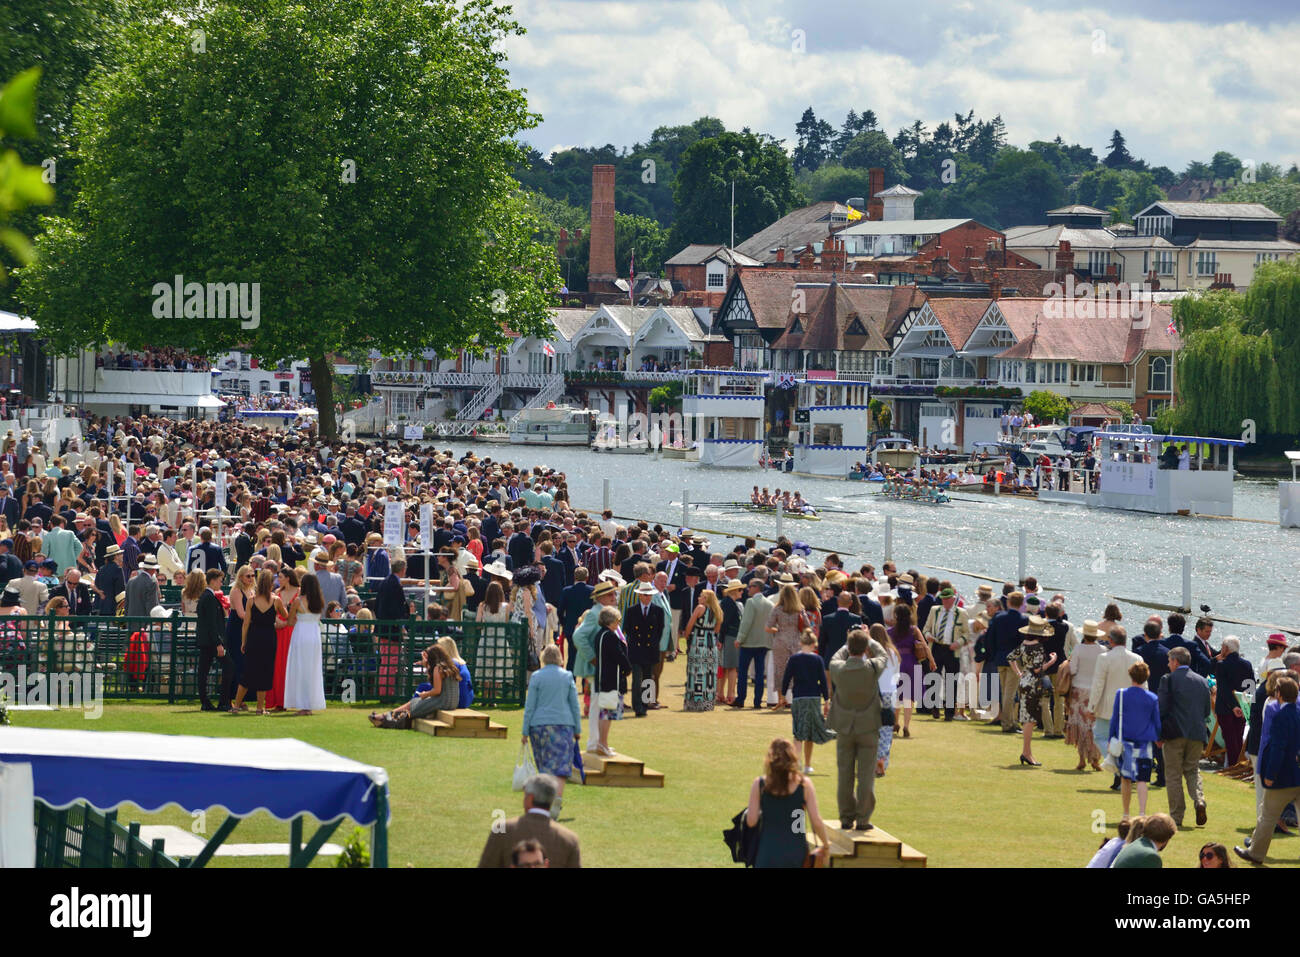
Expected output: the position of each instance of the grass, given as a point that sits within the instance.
(954, 790)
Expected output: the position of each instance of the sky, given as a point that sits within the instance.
(1181, 79)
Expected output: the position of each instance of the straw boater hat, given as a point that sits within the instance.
(603, 589)
(985, 592)
(734, 585)
(1038, 628)
(1090, 629)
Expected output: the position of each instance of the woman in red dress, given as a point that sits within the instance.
(288, 594)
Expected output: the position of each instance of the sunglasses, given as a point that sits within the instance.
(1208, 856)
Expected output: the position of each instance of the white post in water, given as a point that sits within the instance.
(780, 521)
(889, 538)
(686, 496)
(1187, 583)
(1020, 565)
(605, 505)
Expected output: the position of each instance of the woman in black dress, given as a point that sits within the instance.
(259, 643)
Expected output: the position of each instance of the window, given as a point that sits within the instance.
(1154, 407)
(717, 280)
(1261, 258)
(243, 362)
(1031, 372)
(1098, 262)
(1087, 373)
(1206, 264)
(1159, 375)
(1155, 225)
(1164, 262)
(1010, 370)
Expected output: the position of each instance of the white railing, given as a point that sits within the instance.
(530, 380)
(549, 393)
(461, 380)
(478, 404)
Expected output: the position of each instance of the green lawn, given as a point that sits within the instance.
(954, 791)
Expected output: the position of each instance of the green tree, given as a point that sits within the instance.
(1046, 406)
(813, 141)
(834, 182)
(764, 179)
(1119, 156)
(1277, 194)
(352, 159)
(1225, 167)
(21, 185)
(872, 149)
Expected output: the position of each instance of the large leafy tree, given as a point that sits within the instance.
(764, 180)
(353, 159)
(871, 149)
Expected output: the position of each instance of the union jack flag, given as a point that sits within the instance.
(1171, 328)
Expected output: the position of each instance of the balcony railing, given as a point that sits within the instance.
(619, 377)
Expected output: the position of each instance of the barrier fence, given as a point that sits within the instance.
(80, 836)
(62, 658)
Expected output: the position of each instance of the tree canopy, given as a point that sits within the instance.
(353, 160)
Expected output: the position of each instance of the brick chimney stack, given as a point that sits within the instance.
(780, 255)
(807, 258)
(1064, 259)
(995, 285)
(834, 258)
(601, 269)
(939, 266)
(995, 255)
(875, 184)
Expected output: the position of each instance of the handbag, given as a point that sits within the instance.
(1064, 679)
(742, 840)
(533, 661)
(525, 768)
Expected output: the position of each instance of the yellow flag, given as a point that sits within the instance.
(853, 214)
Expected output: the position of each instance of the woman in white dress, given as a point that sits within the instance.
(304, 674)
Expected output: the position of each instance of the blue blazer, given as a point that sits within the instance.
(1278, 762)
(1141, 715)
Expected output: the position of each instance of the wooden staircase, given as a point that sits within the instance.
(873, 848)
(620, 771)
(460, 723)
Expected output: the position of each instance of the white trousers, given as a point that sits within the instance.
(772, 691)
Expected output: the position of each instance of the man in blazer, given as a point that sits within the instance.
(948, 630)
(854, 716)
(753, 640)
(1184, 699)
(1232, 673)
(559, 843)
(209, 636)
(75, 592)
(1004, 637)
(643, 626)
(675, 568)
(142, 593)
(1110, 674)
(836, 627)
(690, 595)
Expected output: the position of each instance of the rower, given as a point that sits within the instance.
(754, 497)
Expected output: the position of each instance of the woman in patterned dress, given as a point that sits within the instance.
(1029, 661)
(703, 631)
(784, 625)
(888, 688)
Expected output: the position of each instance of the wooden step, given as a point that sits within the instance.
(460, 723)
(620, 771)
(874, 848)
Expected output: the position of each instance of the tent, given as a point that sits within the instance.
(285, 777)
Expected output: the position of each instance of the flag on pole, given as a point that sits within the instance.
(631, 278)
(548, 349)
(853, 214)
(1171, 328)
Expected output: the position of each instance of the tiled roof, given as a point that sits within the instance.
(831, 311)
(769, 292)
(1036, 237)
(792, 231)
(958, 317)
(1095, 409)
(1078, 209)
(568, 321)
(698, 253)
(1215, 210)
(902, 300)
(1118, 332)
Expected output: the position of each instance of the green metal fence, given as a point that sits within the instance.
(80, 836)
(70, 658)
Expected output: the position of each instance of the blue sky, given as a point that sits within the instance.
(1180, 79)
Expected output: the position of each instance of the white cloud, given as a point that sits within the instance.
(611, 72)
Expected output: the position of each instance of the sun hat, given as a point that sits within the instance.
(1038, 627)
(1276, 641)
(497, 570)
(603, 589)
(734, 585)
(1090, 629)
(645, 588)
(158, 611)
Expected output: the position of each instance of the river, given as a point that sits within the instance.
(1242, 570)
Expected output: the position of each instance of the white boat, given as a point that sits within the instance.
(612, 439)
(896, 452)
(553, 425)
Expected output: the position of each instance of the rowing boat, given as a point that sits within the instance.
(909, 498)
(771, 510)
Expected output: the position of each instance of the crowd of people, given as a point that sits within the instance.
(274, 576)
(157, 360)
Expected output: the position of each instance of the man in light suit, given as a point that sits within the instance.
(948, 630)
(142, 592)
(559, 843)
(753, 640)
(1110, 674)
(854, 716)
(1184, 707)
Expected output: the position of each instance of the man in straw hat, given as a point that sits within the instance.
(110, 581)
(948, 630)
(643, 626)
